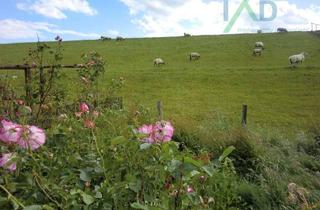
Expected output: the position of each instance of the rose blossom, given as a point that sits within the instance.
(160, 132)
(190, 189)
(148, 131)
(5, 159)
(84, 107)
(163, 131)
(32, 137)
(10, 132)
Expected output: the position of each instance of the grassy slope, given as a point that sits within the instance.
(226, 76)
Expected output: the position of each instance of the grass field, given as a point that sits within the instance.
(226, 76)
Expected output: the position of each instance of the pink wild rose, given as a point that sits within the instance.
(84, 107)
(32, 137)
(148, 131)
(160, 132)
(6, 161)
(190, 189)
(10, 132)
(163, 131)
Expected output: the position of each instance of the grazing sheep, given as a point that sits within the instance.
(186, 35)
(282, 30)
(158, 62)
(194, 56)
(257, 51)
(259, 45)
(297, 59)
(120, 38)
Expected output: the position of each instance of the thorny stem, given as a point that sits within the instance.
(142, 185)
(12, 196)
(38, 179)
(180, 185)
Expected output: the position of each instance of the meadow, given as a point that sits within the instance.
(226, 76)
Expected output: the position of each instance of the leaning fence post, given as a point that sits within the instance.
(160, 111)
(244, 115)
(27, 81)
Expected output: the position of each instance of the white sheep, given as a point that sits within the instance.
(297, 59)
(158, 62)
(257, 51)
(259, 44)
(194, 56)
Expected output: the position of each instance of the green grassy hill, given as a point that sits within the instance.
(226, 76)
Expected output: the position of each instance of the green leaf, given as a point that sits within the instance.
(192, 162)
(87, 199)
(135, 186)
(98, 195)
(46, 207)
(194, 173)
(174, 165)
(84, 176)
(137, 205)
(33, 207)
(73, 192)
(3, 201)
(208, 170)
(14, 204)
(145, 146)
(118, 140)
(226, 153)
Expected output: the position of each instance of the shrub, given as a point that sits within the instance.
(246, 158)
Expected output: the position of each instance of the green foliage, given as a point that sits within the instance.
(93, 66)
(245, 158)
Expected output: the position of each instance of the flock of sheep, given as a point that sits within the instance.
(294, 59)
(192, 56)
(258, 48)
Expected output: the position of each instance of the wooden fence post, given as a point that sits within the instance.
(160, 111)
(27, 81)
(244, 115)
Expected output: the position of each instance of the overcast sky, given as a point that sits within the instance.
(22, 20)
